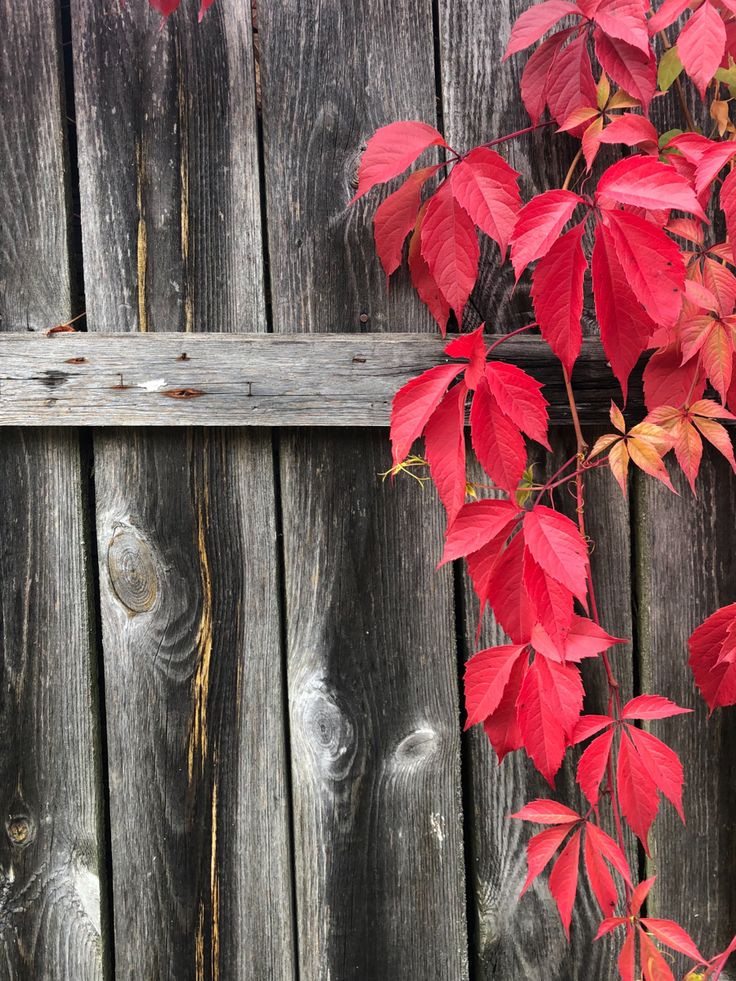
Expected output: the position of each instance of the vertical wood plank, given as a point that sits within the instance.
(51, 851)
(371, 636)
(186, 522)
(480, 102)
(515, 937)
(686, 569)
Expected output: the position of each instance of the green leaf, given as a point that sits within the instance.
(669, 135)
(669, 68)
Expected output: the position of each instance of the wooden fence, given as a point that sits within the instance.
(230, 709)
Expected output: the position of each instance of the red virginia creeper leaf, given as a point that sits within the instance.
(476, 524)
(536, 72)
(653, 965)
(672, 934)
(391, 150)
(535, 22)
(728, 207)
(571, 85)
(557, 291)
(556, 545)
(716, 679)
(519, 397)
(538, 226)
(592, 766)
(600, 878)
(444, 444)
(427, 289)
(487, 188)
(663, 765)
(637, 791)
(563, 880)
(610, 850)
(651, 707)
(645, 182)
(396, 217)
(486, 675)
(414, 404)
(502, 728)
(629, 67)
(544, 811)
(497, 442)
(507, 595)
(540, 850)
(450, 247)
(701, 45)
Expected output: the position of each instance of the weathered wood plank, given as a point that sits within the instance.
(523, 938)
(186, 523)
(686, 569)
(480, 101)
(254, 379)
(51, 851)
(371, 636)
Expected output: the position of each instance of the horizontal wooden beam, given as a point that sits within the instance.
(251, 379)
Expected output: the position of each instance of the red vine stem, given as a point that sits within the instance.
(513, 333)
(518, 132)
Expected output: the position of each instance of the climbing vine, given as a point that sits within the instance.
(662, 283)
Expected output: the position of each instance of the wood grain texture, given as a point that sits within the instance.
(51, 852)
(686, 569)
(186, 522)
(371, 639)
(524, 938)
(254, 379)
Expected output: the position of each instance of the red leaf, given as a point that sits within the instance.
(672, 934)
(427, 289)
(502, 727)
(563, 880)
(497, 442)
(631, 130)
(592, 766)
(391, 150)
(651, 707)
(535, 22)
(589, 725)
(534, 78)
(667, 14)
(640, 894)
(540, 850)
(414, 403)
(625, 327)
(203, 8)
(557, 291)
(487, 188)
(636, 790)
(544, 811)
(610, 851)
(610, 924)
(549, 704)
(519, 397)
(553, 606)
(710, 164)
(587, 639)
(718, 437)
(627, 956)
(538, 226)
(557, 546)
(165, 7)
(486, 675)
(444, 444)
(669, 382)
(652, 263)
(653, 965)
(507, 595)
(396, 217)
(476, 524)
(600, 878)
(728, 206)
(450, 248)
(701, 44)
(470, 346)
(629, 67)
(663, 766)
(716, 681)
(645, 182)
(571, 85)
(625, 20)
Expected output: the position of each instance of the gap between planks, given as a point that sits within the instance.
(175, 379)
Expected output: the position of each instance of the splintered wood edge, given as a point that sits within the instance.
(177, 379)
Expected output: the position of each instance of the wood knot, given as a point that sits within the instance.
(183, 393)
(132, 569)
(329, 732)
(20, 829)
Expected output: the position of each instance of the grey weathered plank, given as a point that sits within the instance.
(51, 852)
(253, 379)
(371, 641)
(524, 938)
(186, 523)
(686, 552)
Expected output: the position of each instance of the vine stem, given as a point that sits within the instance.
(518, 132)
(519, 330)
